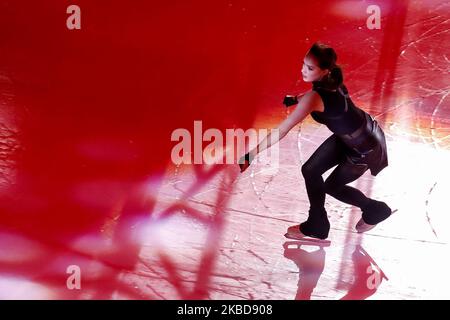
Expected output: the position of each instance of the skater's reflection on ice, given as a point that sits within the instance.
(310, 265)
(367, 276)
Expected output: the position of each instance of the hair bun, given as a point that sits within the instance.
(336, 76)
(326, 57)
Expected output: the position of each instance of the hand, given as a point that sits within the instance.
(290, 100)
(245, 161)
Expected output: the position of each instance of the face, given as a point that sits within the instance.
(311, 71)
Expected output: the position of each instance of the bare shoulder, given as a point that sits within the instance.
(312, 101)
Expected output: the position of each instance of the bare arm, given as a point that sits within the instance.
(309, 102)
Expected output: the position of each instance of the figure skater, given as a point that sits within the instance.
(356, 145)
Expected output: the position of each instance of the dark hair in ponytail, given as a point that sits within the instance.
(326, 59)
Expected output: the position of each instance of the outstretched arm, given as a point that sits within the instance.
(308, 103)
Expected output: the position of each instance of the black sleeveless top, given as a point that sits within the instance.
(355, 128)
(340, 114)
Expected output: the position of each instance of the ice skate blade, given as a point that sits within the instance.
(302, 237)
(362, 227)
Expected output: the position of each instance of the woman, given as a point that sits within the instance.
(356, 145)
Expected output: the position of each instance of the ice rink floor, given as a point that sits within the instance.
(87, 185)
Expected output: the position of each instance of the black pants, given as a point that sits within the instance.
(330, 153)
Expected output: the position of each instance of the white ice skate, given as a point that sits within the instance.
(294, 233)
(362, 226)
